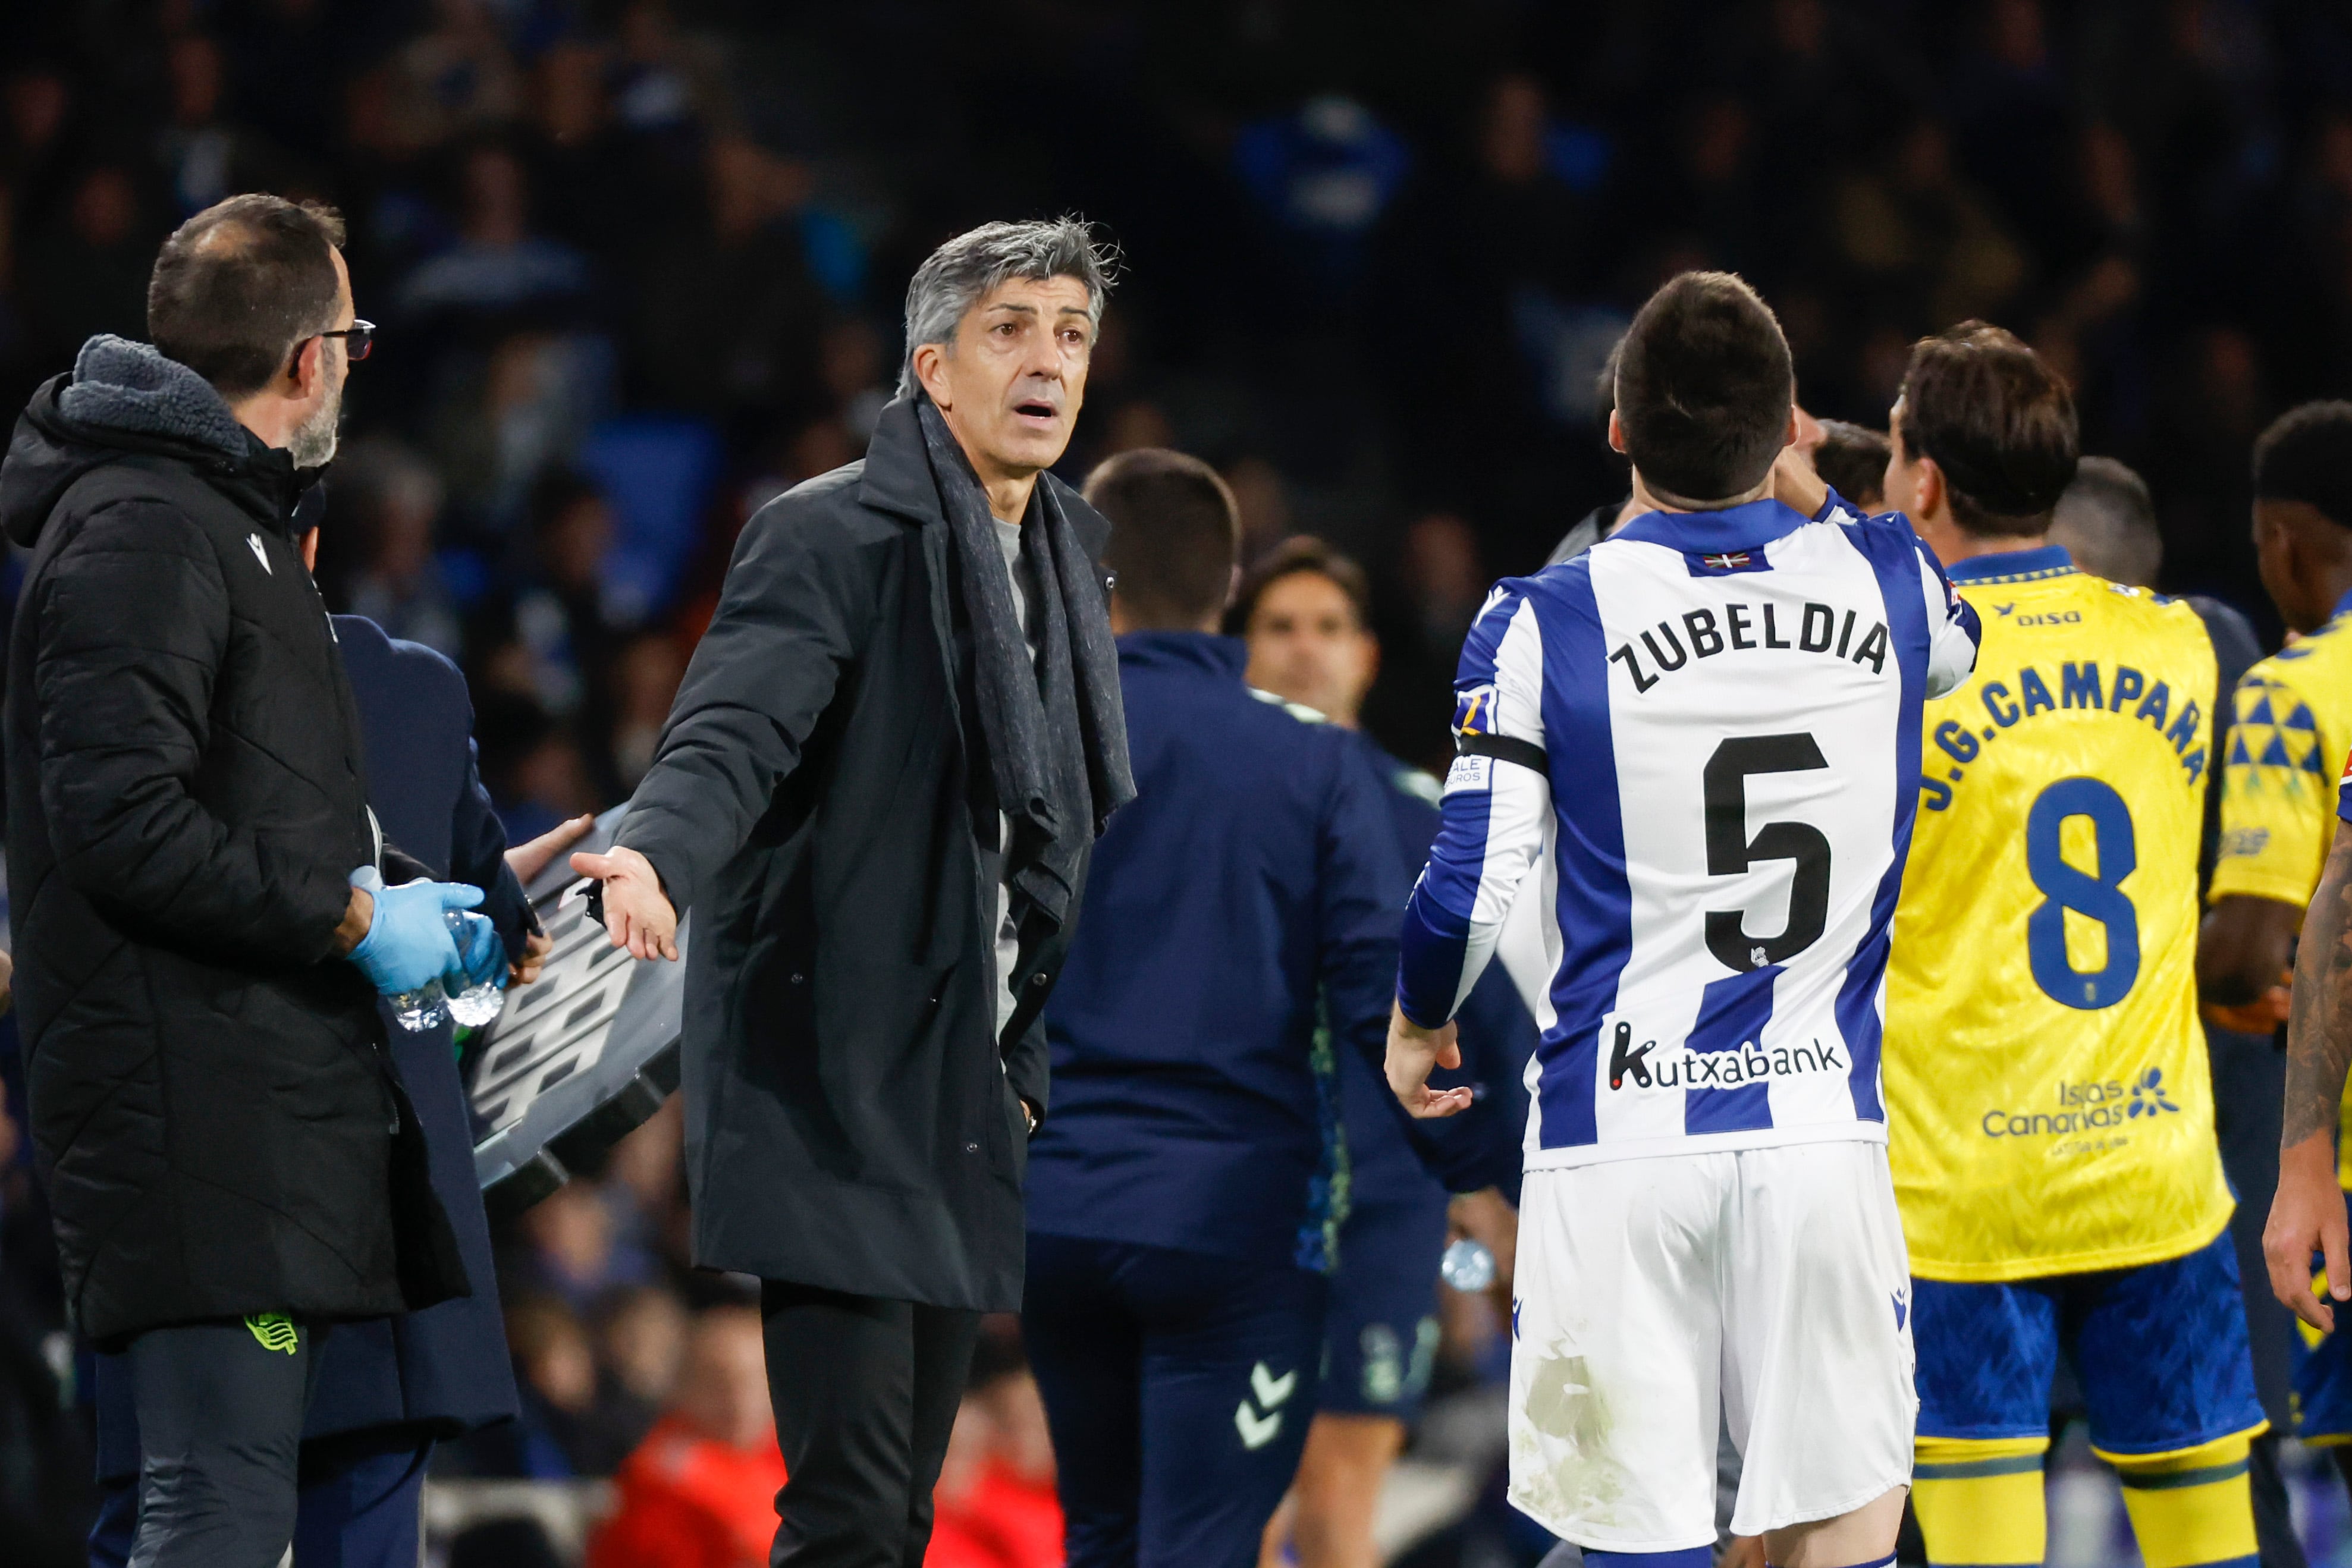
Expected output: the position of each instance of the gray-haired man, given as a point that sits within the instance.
(880, 788)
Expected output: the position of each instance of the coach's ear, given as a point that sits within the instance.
(1616, 434)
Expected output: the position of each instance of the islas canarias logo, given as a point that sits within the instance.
(2087, 1106)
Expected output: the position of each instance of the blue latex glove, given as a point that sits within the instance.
(481, 956)
(408, 941)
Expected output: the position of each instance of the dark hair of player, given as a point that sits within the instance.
(2306, 455)
(1175, 535)
(2106, 521)
(1997, 422)
(243, 284)
(1852, 460)
(1704, 389)
(1300, 553)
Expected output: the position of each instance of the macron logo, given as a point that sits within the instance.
(260, 554)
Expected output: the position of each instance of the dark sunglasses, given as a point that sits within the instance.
(358, 340)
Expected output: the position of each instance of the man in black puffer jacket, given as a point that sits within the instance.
(202, 928)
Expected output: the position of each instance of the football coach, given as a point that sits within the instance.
(202, 925)
(878, 788)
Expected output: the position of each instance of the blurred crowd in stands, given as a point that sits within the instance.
(637, 266)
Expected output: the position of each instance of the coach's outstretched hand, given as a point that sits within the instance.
(1414, 1052)
(637, 915)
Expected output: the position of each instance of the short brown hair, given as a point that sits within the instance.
(1704, 384)
(1175, 534)
(1997, 422)
(1852, 460)
(1297, 554)
(237, 287)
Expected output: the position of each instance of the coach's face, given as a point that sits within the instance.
(1011, 383)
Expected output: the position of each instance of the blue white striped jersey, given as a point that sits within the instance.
(1699, 745)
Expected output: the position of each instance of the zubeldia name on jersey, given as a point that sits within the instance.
(1752, 628)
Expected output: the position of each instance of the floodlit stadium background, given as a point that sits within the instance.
(637, 268)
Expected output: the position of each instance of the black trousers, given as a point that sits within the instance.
(866, 1393)
(220, 1440)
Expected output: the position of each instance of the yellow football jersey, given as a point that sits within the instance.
(2050, 1110)
(2292, 725)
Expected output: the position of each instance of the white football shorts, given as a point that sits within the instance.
(1767, 1289)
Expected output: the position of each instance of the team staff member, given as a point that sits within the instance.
(1182, 1205)
(1304, 612)
(388, 1388)
(2294, 717)
(2050, 1111)
(881, 783)
(230, 1161)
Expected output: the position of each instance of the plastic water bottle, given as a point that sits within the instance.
(421, 1009)
(479, 1004)
(425, 1006)
(1467, 1265)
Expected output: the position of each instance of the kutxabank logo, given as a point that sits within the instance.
(1748, 1063)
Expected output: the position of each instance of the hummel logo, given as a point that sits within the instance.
(260, 554)
(1258, 1430)
(1271, 1390)
(2005, 608)
(1623, 1059)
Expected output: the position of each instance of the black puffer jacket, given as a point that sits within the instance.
(210, 1101)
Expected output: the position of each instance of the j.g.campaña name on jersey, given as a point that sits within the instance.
(1699, 745)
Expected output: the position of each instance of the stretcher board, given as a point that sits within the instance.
(578, 1059)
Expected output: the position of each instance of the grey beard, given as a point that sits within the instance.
(313, 444)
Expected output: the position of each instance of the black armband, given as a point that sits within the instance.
(1503, 748)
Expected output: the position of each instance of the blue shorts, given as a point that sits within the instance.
(2161, 1349)
(1379, 1332)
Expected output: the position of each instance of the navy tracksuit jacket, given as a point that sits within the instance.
(1239, 931)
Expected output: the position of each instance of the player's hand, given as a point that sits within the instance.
(536, 947)
(529, 859)
(1414, 1054)
(1795, 484)
(2307, 1216)
(636, 914)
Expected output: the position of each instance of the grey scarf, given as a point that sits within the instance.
(1055, 728)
